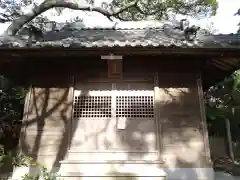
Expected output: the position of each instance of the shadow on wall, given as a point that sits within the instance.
(104, 132)
(181, 135)
(182, 142)
(46, 134)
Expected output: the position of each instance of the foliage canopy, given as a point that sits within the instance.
(120, 9)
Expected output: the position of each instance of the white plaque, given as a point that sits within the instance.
(121, 124)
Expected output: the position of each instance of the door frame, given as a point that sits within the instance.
(142, 78)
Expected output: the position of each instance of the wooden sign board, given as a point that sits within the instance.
(114, 68)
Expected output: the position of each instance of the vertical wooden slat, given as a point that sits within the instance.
(157, 100)
(25, 117)
(71, 98)
(204, 120)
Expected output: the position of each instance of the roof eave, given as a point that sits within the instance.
(94, 51)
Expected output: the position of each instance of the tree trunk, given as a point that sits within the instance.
(48, 4)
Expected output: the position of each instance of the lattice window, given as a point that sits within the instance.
(92, 106)
(135, 106)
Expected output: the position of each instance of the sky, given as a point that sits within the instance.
(224, 21)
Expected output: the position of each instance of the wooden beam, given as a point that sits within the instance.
(111, 57)
(221, 65)
(143, 51)
(230, 61)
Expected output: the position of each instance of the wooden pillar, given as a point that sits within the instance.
(157, 99)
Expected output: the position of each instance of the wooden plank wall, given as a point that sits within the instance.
(47, 120)
(183, 129)
(49, 105)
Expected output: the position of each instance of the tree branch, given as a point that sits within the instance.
(120, 18)
(237, 13)
(5, 117)
(5, 18)
(48, 4)
(148, 13)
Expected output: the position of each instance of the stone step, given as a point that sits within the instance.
(109, 176)
(109, 169)
(110, 162)
(112, 156)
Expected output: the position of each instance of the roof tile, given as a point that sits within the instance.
(153, 36)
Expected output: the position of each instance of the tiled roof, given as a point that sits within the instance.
(151, 36)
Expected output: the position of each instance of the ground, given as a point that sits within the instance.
(226, 165)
